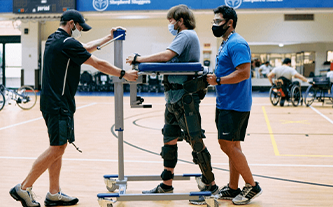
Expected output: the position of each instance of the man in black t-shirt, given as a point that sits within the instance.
(63, 58)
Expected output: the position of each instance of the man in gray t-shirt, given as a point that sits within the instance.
(187, 47)
(182, 118)
(286, 73)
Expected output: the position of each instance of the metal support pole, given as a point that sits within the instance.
(119, 115)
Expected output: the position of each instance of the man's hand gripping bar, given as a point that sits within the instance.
(105, 44)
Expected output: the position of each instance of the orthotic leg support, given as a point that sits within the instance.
(170, 155)
(201, 155)
(167, 175)
(203, 159)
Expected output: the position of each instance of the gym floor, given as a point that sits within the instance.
(289, 150)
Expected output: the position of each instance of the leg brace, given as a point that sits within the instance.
(200, 154)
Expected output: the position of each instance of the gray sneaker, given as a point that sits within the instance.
(158, 189)
(59, 199)
(24, 196)
(248, 193)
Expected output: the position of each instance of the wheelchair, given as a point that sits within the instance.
(285, 89)
(87, 84)
(103, 82)
(320, 89)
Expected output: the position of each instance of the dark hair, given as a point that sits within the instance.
(228, 13)
(286, 61)
(63, 23)
(267, 62)
(182, 11)
(327, 63)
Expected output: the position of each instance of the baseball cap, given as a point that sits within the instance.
(72, 14)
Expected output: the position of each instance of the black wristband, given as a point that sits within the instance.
(218, 81)
(134, 59)
(122, 73)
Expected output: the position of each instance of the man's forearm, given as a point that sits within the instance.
(107, 68)
(92, 45)
(164, 56)
(235, 77)
(299, 76)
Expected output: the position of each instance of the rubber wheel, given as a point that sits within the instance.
(296, 95)
(310, 96)
(27, 97)
(2, 101)
(274, 96)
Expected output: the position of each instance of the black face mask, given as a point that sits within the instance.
(218, 31)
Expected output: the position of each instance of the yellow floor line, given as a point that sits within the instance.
(276, 151)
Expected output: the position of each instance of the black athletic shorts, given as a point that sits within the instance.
(231, 125)
(60, 128)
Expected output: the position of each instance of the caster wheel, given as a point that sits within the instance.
(112, 188)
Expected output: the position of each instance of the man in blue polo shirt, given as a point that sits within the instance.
(233, 103)
(63, 58)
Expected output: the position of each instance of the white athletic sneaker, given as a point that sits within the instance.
(248, 193)
(59, 199)
(26, 197)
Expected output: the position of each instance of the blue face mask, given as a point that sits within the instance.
(172, 29)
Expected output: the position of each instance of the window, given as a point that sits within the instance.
(330, 56)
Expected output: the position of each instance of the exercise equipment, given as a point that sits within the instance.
(114, 182)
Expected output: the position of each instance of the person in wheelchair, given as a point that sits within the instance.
(284, 75)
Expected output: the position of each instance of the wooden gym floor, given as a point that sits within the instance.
(289, 150)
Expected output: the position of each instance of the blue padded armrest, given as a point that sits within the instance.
(170, 67)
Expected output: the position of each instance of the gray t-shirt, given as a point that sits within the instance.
(186, 45)
(285, 71)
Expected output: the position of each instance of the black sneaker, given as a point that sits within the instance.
(226, 193)
(59, 199)
(201, 201)
(158, 189)
(248, 193)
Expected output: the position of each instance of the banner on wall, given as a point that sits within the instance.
(127, 5)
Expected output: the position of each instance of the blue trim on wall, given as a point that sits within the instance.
(117, 5)
(130, 5)
(6, 6)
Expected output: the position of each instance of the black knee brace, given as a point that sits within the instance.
(203, 159)
(170, 155)
(200, 155)
(167, 175)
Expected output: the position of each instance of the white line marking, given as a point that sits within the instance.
(145, 161)
(318, 112)
(25, 122)
(36, 119)
(86, 105)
